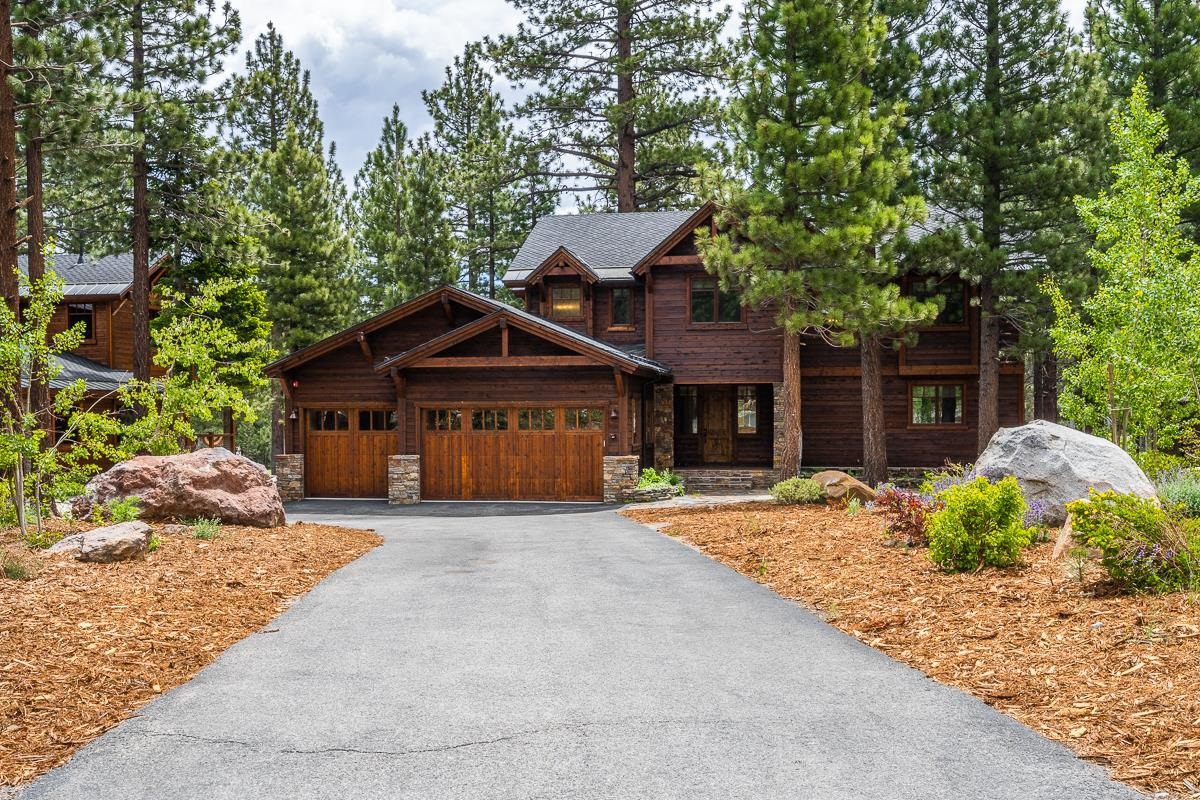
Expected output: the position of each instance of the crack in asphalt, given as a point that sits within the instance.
(445, 747)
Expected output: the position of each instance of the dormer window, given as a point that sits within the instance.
(709, 305)
(622, 312)
(566, 302)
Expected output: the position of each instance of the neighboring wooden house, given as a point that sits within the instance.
(626, 354)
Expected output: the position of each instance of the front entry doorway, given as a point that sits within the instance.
(723, 425)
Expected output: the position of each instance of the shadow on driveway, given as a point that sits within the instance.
(381, 508)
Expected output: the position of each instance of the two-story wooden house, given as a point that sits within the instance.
(626, 353)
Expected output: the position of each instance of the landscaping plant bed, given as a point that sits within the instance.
(1116, 678)
(83, 646)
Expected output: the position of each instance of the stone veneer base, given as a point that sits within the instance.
(404, 480)
(620, 477)
(289, 476)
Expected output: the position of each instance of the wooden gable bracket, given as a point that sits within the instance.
(503, 338)
(365, 346)
(447, 309)
(287, 389)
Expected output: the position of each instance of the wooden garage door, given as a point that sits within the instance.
(512, 453)
(346, 451)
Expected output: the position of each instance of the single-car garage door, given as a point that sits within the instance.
(346, 451)
(512, 453)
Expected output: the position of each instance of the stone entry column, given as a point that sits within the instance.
(289, 476)
(404, 480)
(664, 426)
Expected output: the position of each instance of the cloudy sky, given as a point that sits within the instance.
(365, 55)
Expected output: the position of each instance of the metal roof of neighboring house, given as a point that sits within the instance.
(99, 377)
(91, 276)
(610, 244)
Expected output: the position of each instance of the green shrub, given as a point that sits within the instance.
(981, 526)
(1180, 489)
(40, 541)
(127, 509)
(154, 543)
(797, 490)
(1143, 547)
(206, 529)
(1155, 463)
(16, 567)
(653, 477)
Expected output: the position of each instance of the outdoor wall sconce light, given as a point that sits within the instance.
(294, 415)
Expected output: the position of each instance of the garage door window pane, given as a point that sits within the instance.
(442, 419)
(489, 419)
(377, 420)
(535, 419)
(328, 420)
(584, 419)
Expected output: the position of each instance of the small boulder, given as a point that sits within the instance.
(207, 483)
(1055, 465)
(837, 485)
(119, 542)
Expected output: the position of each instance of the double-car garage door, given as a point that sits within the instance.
(468, 452)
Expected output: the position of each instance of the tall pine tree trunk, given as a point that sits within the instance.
(36, 223)
(993, 171)
(626, 185)
(8, 163)
(140, 288)
(791, 455)
(874, 455)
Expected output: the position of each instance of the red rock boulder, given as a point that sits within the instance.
(207, 483)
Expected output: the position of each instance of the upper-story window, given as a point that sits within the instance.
(83, 314)
(566, 302)
(622, 308)
(953, 294)
(708, 304)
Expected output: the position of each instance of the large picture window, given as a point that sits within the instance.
(83, 314)
(708, 304)
(566, 302)
(953, 296)
(937, 404)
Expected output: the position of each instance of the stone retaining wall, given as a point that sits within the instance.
(289, 476)
(404, 480)
(620, 477)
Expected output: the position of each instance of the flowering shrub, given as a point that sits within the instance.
(1142, 546)
(906, 513)
(980, 526)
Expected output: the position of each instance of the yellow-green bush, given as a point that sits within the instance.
(981, 525)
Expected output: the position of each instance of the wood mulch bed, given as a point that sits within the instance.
(1115, 678)
(82, 646)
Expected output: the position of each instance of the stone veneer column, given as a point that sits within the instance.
(289, 476)
(664, 426)
(620, 477)
(778, 432)
(404, 480)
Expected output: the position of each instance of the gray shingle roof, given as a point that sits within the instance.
(610, 244)
(99, 377)
(93, 276)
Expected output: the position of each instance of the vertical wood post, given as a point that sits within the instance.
(622, 411)
(401, 421)
(649, 295)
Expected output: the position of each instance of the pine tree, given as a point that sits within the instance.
(271, 95)
(623, 88)
(822, 164)
(1159, 41)
(378, 214)
(307, 252)
(483, 163)
(426, 258)
(1013, 137)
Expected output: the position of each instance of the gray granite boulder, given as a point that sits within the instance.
(119, 542)
(212, 482)
(1055, 465)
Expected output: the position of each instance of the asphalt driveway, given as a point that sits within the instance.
(493, 651)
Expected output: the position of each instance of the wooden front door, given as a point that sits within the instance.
(716, 424)
(346, 451)
(512, 453)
